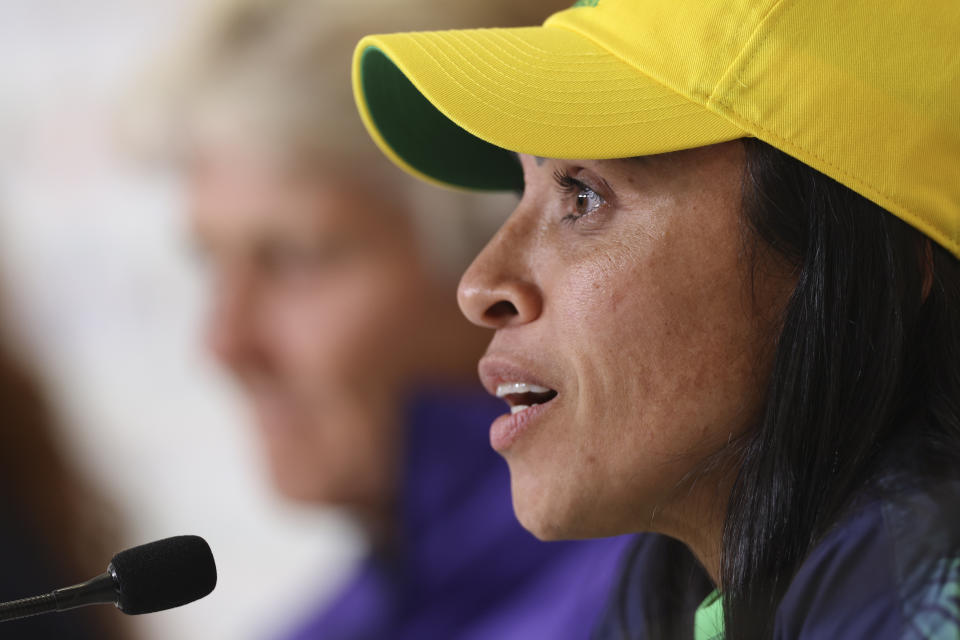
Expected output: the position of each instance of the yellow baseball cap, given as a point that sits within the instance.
(865, 91)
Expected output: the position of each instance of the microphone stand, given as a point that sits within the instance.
(100, 590)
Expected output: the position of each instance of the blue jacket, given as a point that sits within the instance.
(889, 569)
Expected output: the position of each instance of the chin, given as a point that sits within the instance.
(546, 512)
(568, 510)
(294, 483)
(542, 530)
(295, 489)
(549, 526)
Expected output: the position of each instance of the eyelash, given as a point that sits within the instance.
(570, 186)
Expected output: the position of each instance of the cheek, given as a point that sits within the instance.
(662, 354)
(341, 328)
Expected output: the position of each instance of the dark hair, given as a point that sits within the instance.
(868, 356)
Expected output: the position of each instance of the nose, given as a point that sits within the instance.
(499, 290)
(229, 328)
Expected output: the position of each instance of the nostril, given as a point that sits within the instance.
(503, 310)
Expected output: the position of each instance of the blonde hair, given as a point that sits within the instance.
(275, 75)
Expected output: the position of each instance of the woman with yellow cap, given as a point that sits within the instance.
(727, 305)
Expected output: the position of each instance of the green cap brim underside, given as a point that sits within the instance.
(427, 140)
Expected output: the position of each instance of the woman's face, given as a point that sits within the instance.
(317, 297)
(630, 323)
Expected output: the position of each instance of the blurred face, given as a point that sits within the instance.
(631, 341)
(315, 299)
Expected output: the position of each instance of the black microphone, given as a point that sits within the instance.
(152, 577)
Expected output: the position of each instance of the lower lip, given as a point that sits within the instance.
(506, 429)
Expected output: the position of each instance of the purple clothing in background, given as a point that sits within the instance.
(463, 567)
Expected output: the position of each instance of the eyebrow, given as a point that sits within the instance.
(516, 156)
(632, 159)
(639, 159)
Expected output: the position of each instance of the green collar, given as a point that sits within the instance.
(708, 620)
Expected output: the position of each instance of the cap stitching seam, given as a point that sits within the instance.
(895, 198)
(532, 47)
(555, 113)
(535, 50)
(630, 64)
(729, 71)
(506, 53)
(562, 113)
(916, 220)
(484, 75)
(528, 64)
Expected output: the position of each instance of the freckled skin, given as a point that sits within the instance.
(642, 316)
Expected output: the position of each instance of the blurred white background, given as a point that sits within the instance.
(101, 288)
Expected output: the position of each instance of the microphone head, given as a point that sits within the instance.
(163, 574)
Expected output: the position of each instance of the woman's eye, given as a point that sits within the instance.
(287, 260)
(584, 199)
(587, 202)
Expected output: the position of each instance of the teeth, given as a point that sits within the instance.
(511, 388)
(517, 408)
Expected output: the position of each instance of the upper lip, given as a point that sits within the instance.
(498, 370)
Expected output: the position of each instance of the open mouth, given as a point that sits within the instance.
(523, 395)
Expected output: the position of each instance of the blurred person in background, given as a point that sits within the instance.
(54, 529)
(333, 306)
